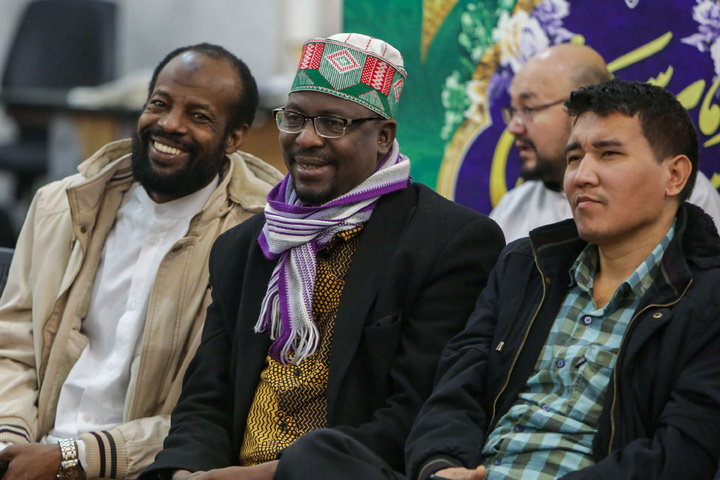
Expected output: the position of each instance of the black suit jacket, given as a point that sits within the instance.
(420, 264)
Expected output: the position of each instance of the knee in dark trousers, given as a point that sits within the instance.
(328, 454)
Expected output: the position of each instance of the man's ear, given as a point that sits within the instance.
(386, 137)
(235, 139)
(679, 169)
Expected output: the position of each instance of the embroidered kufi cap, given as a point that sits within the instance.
(355, 67)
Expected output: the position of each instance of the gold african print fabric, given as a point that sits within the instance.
(290, 399)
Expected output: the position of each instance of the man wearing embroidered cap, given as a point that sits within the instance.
(330, 309)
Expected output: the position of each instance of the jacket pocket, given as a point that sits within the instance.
(381, 341)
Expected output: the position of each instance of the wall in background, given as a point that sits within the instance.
(267, 35)
(9, 14)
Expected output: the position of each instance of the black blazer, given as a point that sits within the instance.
(420, 264)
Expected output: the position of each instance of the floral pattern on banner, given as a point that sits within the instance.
(457, 89)
(707, 14)
(517, 36)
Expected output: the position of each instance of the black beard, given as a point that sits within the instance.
(528, 173)
(545, 169)
(196, 174)
(307, 198)
(313, 200)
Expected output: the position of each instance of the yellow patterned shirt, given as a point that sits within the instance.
(290, 399)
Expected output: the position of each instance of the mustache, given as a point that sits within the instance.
(593, 197)
(525, 142)
(309, 154)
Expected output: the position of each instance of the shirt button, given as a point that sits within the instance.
(297, 372)
(284, 426)
(498, 461)
(587, 320)
(560, 363)
(546, 408)
(519, 428)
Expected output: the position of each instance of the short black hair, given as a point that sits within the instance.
(247, 103)
(664, 122)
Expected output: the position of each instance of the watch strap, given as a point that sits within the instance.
(70, 468)
(69, 453)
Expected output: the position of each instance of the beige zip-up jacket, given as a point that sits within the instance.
(48, 292)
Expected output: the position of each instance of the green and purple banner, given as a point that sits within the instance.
(461, 56)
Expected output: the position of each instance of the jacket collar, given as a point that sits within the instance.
(696, 242)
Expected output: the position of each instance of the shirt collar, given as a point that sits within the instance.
(181, 207)
(582, 273)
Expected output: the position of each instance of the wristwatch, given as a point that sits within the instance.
(70, 468)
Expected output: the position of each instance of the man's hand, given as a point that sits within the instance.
(460, 473)
(264, 471)
(31, 462)
(181, 474)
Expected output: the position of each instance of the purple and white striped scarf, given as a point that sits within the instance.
(293, 234)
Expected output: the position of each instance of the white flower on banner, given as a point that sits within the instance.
(520, 37)
(707, 14)
(715, 54)
(552, 10)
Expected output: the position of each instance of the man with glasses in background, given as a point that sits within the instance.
(331, 309)
(537, 120)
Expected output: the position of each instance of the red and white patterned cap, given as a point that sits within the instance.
(362, 69)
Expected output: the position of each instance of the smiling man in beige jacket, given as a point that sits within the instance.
(109, 284)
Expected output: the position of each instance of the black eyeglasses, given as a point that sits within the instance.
(525, 114)
(327, 126)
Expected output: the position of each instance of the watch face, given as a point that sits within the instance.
(75, 472)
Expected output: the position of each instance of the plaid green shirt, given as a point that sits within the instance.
(549, 431)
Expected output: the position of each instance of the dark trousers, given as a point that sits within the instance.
(328, 454)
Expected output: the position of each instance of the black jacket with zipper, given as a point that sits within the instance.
(661, 418)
